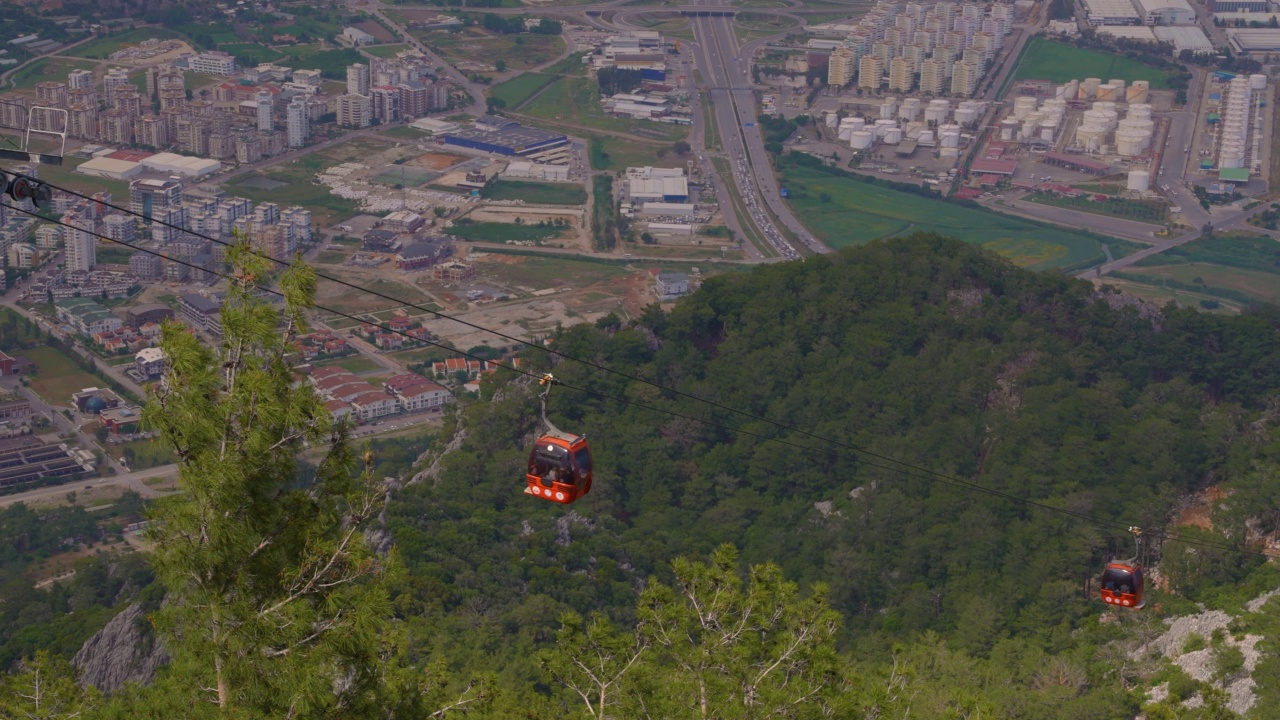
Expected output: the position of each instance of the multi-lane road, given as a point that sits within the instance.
(726, 73)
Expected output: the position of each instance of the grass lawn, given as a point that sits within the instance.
(569, 65)
(1222, 281)
(355, 364)
(57, 376)
(1058, 62)
(48, 70)
(103, 47)
(577, 100)
(521, 52)
(502, 232)
(613, 153)
(327, 258)
(386, 51)
(857, 212)
(536, 192)
(250, 54)
(331, 63)
(113, 254)
(520, 88)
(143, 454)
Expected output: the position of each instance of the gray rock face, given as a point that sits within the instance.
(124, 650)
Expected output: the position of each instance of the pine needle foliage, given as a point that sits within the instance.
(277, 606)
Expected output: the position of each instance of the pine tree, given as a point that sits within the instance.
(277, 606)
(44, 688)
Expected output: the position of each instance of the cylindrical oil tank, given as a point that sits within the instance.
(1139, 181)
(949, 139)
(1047, 130)
(1089, 88)
(832, 120)
(926, 138)
(1139, 111)
(1073, 90)
(844, 133)
(1060, 92)
(1107, 91)
(1132, 125)
(1104, 105)
(1094, 117)
(892, 135)
(966, 115)
(1138, 91)
(1129, 144)
(889, 108)
(860, 139)
(1258, 82)
(1119, 83)
(948, 153)
(1090, 137)
(1023, 106)
(1009, 129)
(909, 110)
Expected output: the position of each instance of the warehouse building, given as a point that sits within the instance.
(1110, 12)
(1260, 40)
(505, 138)
(650, 184)
(1167, 12)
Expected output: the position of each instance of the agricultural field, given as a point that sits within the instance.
(847, 211)
(57, 376)
(1156, 212)
(519, 89)
(385, 51)
(48, 70)
(503, 232)
(103, 47)
(577, 101)
(520, 52)
(535, 192)
(1235, 268)
(1054, 61)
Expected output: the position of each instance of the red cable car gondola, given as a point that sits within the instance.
(559, 462)
(1122, 581)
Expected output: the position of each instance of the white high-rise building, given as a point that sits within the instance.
(354, 111)
(115, 77)
(298, 123)
(80, 80)
(266, 121)
(80, 243)
(358, 79)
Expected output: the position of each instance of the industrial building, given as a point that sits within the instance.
(1166, 12)
(1254, 40)
(536, 171)
(110, 168)
(505, 137)
(174, 164)
(1186, 37)
(1239, 6)
(649, 184)
(1111, 12)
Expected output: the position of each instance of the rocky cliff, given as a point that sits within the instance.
(124, 650)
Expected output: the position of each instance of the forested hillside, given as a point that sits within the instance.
(926, 350)
(778, 526)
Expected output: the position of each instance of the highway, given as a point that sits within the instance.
(734, 106)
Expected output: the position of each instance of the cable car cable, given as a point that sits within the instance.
(920, 473)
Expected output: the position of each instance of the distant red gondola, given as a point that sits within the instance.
(1122, 581)
(559, 462)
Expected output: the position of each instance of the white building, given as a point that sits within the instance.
(1166, 12)
(356, 36)
(672, 285)
(358, 79)
(374, 404)
(1111, 12)
(298, 123)
(213, 63)
(354, 111)
(81, 245)
(650, 184)
(266, 107)
(149, 362)
(536, 171)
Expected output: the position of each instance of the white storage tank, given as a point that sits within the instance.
(1139, 111)
(832, 120)
(860, 139)
(1258, 82)
(926, 138)
(844, 133)
(1137, 91)
(1139, 181)
(1023, 106)
(889, 108)
(1107, 91)
(892, 135)
(1094, 117)
(1060, 92)
(1089, 88)
(949, 139)
(937, 111)
(1119, 83)
(1107, 105)
(1073, 90)
(966, 115)
(1090, 137)
(949, 153)
(1129, 144)
(1048, 129)
(1009, 129)
(910, 109)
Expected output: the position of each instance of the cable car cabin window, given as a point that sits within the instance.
(551, 463)
(1119, 581)
(583, 459)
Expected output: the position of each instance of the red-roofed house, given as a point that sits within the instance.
(374, 404)
(323, 373)
(423, 396)
(338, 409)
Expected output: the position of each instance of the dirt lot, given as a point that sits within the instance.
(434, 161)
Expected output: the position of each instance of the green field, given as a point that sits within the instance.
(103, 47)
(386, 51)
(250, 54)
(1054, 61)
(577, 101)
(520, 88)
(1149, 211)
(568, 65)
(404, 132)
(48, 70)
(535, 192)
(847, 211)
(502, 232)
(1241, 267)
(521, 52)
(66, 176)
(113, 254)
(354, 363)
(57, 376)
(143, 454)
(331, 63)
(331, 258)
